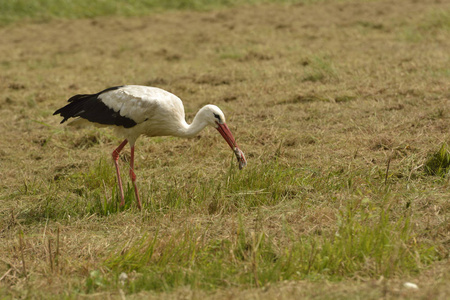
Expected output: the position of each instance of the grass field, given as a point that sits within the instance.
(342, 109)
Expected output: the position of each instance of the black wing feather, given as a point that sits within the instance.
(91, 108)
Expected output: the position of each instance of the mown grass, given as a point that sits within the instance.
(366, 244)
(439, 162)
(340, 107)
(373, 235)
(320, 68)
(268, 184)
(45, 10)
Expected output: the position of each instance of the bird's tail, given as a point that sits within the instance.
(91, 108)
(76, 106)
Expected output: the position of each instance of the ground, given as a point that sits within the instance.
(338, 106)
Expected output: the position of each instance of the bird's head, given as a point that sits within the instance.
(213, 115)
(216, 118)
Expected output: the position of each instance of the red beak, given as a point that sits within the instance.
(226, 133)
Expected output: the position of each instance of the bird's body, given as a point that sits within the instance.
(135, 110)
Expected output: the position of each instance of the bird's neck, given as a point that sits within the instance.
(197, 125)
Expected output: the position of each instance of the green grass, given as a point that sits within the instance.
(436, 20)
(45, 10)
(341, 108)
(439, 163)
(372, 235)
(268, 183)
(366, 243)
(320, 68)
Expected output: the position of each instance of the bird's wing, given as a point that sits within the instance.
(124, 106)
(93, 109)
(140, 103)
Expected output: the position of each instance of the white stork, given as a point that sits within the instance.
(134, 110)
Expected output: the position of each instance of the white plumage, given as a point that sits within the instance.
(140, 103)
(134, 110)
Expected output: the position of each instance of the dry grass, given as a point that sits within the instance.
(321, 98)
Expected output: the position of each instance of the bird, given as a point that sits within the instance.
(135, 110)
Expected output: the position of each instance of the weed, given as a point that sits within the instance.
(436, 20)
(438, 163)
(320, 68)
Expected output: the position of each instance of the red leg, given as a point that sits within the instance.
(133, 178)
(115, 156)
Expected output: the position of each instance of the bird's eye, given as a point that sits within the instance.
(217, 117)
